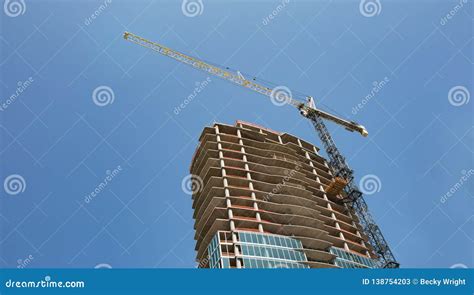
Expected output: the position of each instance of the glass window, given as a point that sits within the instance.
(253, 238)
(259, 263)
(280, 254)
(274, 252)
(244, 249)
(271, 240)
(251, 250)
(258, 251)
(266, 252)
(225, 263)
(293, 255)
(278, 241)
(252, 263)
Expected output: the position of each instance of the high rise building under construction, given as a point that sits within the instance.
(262, 202)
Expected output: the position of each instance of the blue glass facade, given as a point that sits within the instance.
(258, 250)
(349, 260)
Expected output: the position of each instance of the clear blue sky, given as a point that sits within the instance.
(62, 144)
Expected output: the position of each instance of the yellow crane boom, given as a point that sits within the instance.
(238, 79)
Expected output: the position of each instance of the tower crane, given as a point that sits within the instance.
(343, 188)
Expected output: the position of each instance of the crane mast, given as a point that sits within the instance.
(344, 184)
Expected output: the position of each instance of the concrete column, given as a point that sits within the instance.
(346, 247)
(260, 227)
(257, 215)
(315, 150)
(253, 195)
(279, 139)
(299, 143)
(238, 263)
(249, 176)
